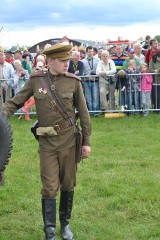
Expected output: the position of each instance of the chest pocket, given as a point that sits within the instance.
(67, 95)
(40, 95)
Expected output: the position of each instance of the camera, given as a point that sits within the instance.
(23, 74)
(38, 68)
(92, 73)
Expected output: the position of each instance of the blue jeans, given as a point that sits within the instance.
(91, 92)
(122, 98)
(133, 98)
(146, 101)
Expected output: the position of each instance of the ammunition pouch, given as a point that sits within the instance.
(46, 131)
(51, 131)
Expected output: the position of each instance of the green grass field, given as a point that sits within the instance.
(118, 188)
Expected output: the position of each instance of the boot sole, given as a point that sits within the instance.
(68, 239)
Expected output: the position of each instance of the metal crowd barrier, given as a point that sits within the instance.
(154, 94)
(6, 93)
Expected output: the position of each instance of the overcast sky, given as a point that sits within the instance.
(31, 21)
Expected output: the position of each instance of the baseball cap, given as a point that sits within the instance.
(111, 46)
(130, 50)
(9, 51)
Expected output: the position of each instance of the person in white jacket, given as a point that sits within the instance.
(105, 68)
(6, 77)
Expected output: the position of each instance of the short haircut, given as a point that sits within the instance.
(137, 44)
(104, 52)
(95, 49)
(17, 62)
(148, 37)
(132, 61)
(89, 48)
(75, 53)
(40, 58)
(152, 40)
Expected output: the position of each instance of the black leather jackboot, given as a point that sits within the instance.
(65, 209)
(49, 218)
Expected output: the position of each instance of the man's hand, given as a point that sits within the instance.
(86, 151)
(102, 74)
(76, 72)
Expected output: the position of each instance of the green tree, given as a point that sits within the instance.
(157, 37)
(140, 39)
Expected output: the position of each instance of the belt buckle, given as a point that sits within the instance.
(57, 128)
(53, 103)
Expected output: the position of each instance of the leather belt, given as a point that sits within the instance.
(91, 81)
(64, 124)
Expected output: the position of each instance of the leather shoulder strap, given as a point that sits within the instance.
(56, 101)
(71, 75)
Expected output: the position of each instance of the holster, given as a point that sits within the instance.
(34, 130)
(79, 141)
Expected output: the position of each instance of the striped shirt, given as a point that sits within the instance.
(118, 60)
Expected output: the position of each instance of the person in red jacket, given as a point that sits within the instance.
(152, 51)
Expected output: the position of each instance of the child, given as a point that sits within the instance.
(146, 86)
(133, 86)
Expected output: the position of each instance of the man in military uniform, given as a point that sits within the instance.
(57, 138)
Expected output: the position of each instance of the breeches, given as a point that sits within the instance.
(58, 170)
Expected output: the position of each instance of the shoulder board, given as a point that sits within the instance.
(38, 74)
(71, 75)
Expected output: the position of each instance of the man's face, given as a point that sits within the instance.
(105, 57)
(2, 58)
(58, 66)
(131, 55)
(17, 55)
(18, 65)
(8, 55)
(138, 49)
(113, 50)
(76, 57)
(90, 53)
(154, 45)
(119, 49)
(99, 52)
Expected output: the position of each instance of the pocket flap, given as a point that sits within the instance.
(67, 95)
(39, 95)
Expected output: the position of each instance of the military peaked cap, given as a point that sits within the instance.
(60, 51)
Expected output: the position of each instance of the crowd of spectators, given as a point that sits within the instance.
(124, 79)
(113, 78)
(15, 70)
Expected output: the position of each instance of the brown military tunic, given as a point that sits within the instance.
(57, 153)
